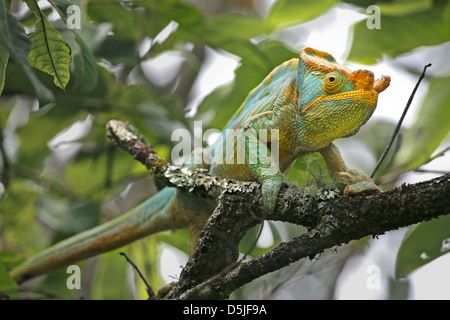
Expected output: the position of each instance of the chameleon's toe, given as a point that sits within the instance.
(364, 188)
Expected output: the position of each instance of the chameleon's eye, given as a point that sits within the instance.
(333, 82)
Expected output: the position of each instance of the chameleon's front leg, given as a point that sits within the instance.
(351, 181)
(260, 160)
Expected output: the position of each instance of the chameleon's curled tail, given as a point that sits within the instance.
(161, 212)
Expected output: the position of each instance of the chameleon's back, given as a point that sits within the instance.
(260, 100)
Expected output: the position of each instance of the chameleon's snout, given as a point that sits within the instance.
(365, 80)
(381, 84)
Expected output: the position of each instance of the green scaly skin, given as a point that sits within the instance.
(310, 101)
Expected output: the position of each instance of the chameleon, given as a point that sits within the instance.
(311, 101)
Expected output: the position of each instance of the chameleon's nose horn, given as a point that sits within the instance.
(363, 79)
(381, 84)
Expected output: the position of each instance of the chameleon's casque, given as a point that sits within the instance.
(310, 101)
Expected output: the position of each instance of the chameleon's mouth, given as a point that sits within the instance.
(365, 80)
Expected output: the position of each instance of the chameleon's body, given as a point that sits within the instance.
(311, 101)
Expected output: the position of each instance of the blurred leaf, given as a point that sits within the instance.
(249, 241)
(10, 258)
(425, 243)
(67, 217)
(2, 190)
(17, 218)
(4, 55)
(226, 27)
(293, 11)
(430, 129)
(49, 52)
(402, 8)
(158, 14)
(87, 176)
(85, 68)
(119, 51)
(54, 285)
(126, 28)
(375, 135)
(417, 29)
(144, 254)
(110, 280)
(177, 238)
(40, 129)
(29, 19)
(19, 46)
(8, 287)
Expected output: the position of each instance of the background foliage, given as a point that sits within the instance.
(59, 86)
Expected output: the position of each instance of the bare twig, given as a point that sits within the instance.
(399, 124)
(150, 292)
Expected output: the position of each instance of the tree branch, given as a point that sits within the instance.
(341, 220)
(213, 273)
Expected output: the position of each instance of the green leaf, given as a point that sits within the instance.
(160, 13)
(402, 8)
(430, 129)
(119, 51)
(85, 68)
(8, 287)
(398, 34)
(85, 73)
(19, 46)
(10, 258)
(125, 29)
(68, 217)
(232, 26)
(426, 242)
(4, 55)
(49, 52)
(293, 11)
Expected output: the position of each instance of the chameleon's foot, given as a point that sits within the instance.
(164, 289)
(354, 182)
(363, 188)
(270, 189)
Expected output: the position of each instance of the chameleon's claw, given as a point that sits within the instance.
(363, 188)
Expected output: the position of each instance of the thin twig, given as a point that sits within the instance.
(399, 124)
(150, 292)
(4, 177)
(431, 171)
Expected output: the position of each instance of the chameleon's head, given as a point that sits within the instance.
(334, 101)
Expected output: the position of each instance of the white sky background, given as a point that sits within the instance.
(429, 282)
